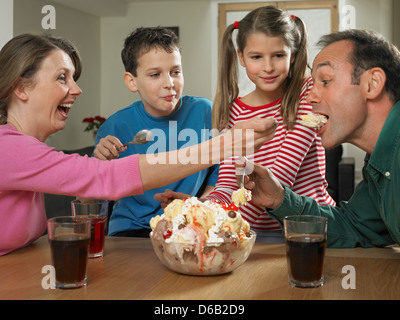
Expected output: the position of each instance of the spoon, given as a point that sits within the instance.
(303, 123)
(142, 137)
(244, 173)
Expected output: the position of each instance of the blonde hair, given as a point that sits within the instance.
(21, 58)
(272, 22)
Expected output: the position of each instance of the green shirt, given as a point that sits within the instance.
(372, 216)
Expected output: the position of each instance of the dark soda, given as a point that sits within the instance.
(305, 257)
(69, 254)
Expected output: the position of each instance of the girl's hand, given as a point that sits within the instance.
(108, 148)
(168, 196)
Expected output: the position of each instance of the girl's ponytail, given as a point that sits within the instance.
(290, 101)
(227, 86)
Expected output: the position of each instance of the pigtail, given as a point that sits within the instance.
(227, 86)
(291, 98)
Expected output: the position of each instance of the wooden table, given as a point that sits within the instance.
(131, 270)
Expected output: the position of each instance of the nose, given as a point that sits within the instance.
(269, 66)
(74, 89)
(169, 82)
(313, 96)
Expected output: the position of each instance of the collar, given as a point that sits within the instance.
(385, 150)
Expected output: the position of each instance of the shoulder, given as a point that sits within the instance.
(22, 148)
(130, 110)
(196, 106)
(10, 135)
(122, 121)
(197, 102)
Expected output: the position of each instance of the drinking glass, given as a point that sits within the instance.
(96, 211)
(305, 249)
(69, 239)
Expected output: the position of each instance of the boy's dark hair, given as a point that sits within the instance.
(371, 50)
(142, 40)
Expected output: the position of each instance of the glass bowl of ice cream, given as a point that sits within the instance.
(201, 238)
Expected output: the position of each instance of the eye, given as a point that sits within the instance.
(325, 82)
(255, 57)
(62, 78)
(176, 72)
(154, 75)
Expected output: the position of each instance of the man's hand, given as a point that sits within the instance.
(265, 188)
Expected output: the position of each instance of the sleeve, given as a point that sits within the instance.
(212, 175)
(352, 224)
(33, 166)
(226, 182)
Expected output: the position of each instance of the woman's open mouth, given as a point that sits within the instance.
(64, 109)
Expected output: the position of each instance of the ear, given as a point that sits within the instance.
(20, 90)
(292, 57)
(130, 81)
(376, 83)
(241, 59)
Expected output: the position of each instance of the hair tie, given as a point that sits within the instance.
(293, 17)
(236, 25)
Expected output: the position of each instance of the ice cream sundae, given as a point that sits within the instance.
(241, 196)
(313, 120)
(202, 238)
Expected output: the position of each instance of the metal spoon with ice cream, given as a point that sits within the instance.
(311, 120)
(142, 137)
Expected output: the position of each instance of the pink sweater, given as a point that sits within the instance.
(29, 168)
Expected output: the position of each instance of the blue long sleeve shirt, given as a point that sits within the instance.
(189, 125)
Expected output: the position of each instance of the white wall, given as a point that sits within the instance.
(195, 27)
(6, 21)
(84, 30)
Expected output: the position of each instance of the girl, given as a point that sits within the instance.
(272, 46)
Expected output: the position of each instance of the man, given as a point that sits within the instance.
(357, 87)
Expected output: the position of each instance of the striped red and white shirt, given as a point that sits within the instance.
(296, 157)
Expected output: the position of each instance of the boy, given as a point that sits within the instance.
(153, 66)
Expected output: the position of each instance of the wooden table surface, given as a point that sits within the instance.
(131, 270)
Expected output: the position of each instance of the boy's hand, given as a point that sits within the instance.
(108, 148)
(168, 196)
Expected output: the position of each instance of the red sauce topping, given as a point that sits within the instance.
(167, 234)
(232, 207)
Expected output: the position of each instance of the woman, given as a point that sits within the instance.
(37, 91)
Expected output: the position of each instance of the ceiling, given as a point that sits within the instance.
(102, 8)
